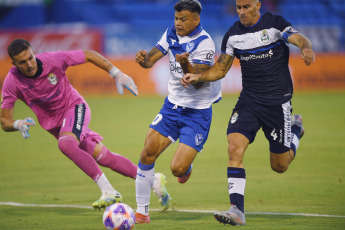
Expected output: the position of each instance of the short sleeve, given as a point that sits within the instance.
(69, 58)
(285, 28)
(227, 47)
(9, 93)
(205, 53)
(163, 44)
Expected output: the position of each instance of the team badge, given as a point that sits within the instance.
(52, 79)
(198, 139)
(234, 118)
(190, 46)
(264, 37)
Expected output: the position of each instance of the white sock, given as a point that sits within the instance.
(143, 184)
(105, 186)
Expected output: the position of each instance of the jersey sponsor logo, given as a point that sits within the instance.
(157, 119)
(264, 37)
(80, 116)
(190, 46)
(269, 54)
(175, 68)
(209, 56)
(234, 118)
(198, 139)
(52, 79)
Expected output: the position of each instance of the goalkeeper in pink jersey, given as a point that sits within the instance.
(41, 83)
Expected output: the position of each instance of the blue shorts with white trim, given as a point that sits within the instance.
(191, 126)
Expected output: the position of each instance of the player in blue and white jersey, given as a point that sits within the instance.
(186, 114)
(260, 43)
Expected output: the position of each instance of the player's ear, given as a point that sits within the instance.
(258, 5)
(197, 20)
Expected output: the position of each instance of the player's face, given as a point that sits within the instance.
(26, 62)
(248, 11)
(186, 22)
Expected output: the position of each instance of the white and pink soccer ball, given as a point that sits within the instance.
(119, 216)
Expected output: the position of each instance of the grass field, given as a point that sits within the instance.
(33, 171)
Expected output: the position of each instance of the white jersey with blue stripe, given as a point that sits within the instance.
(201, 49)
(264, 58)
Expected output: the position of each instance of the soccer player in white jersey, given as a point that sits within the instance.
(41, 83)
(186, 114)
(259, 42)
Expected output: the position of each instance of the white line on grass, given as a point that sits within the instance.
(193, 211)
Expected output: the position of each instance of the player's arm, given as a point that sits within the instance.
(305, 46)
(216, 72)
(147, 60)
(7, 121)
(9, 125)
(187, 67)
(121, 79)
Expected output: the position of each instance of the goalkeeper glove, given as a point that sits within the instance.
(23, 126)
(122, 80)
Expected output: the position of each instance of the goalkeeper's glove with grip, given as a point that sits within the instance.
(23, 126)
(123, 80)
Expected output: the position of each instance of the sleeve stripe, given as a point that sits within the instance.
(201, 62)
(161, 49)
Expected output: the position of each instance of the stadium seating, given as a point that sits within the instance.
(322, 20)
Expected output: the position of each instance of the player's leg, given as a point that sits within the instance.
(242, 129)
(280, 161)
(181, 164)
(194, 129)
(155, 144)
(73, 130)
(276, 124)
(106, 158)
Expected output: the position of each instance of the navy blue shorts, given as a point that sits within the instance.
(191, 126)
(247, 118)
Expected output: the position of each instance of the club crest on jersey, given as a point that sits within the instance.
(198, 139)
(190, 46)
(234, 118)
(264, 37)
(52, 79)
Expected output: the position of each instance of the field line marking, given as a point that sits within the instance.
(172, 210)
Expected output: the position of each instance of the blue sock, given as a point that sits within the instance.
(236, 186)
(295, 132)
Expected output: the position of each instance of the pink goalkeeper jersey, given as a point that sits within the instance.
(49, 94)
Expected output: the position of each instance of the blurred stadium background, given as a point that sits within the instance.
(119, 28)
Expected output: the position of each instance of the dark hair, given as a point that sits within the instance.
(17, 46)
(190, 5)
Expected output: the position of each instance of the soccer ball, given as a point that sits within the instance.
(118, 216)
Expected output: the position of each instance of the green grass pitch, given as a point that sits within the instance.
(33, 171)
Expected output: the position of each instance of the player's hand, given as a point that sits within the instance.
(123, 80)
(189, 78)
(140, 56)
(23, 126)
(308, 56)
(182, 58)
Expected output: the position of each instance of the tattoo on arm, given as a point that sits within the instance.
(222, 60)
(200, 68)
(153, 51)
